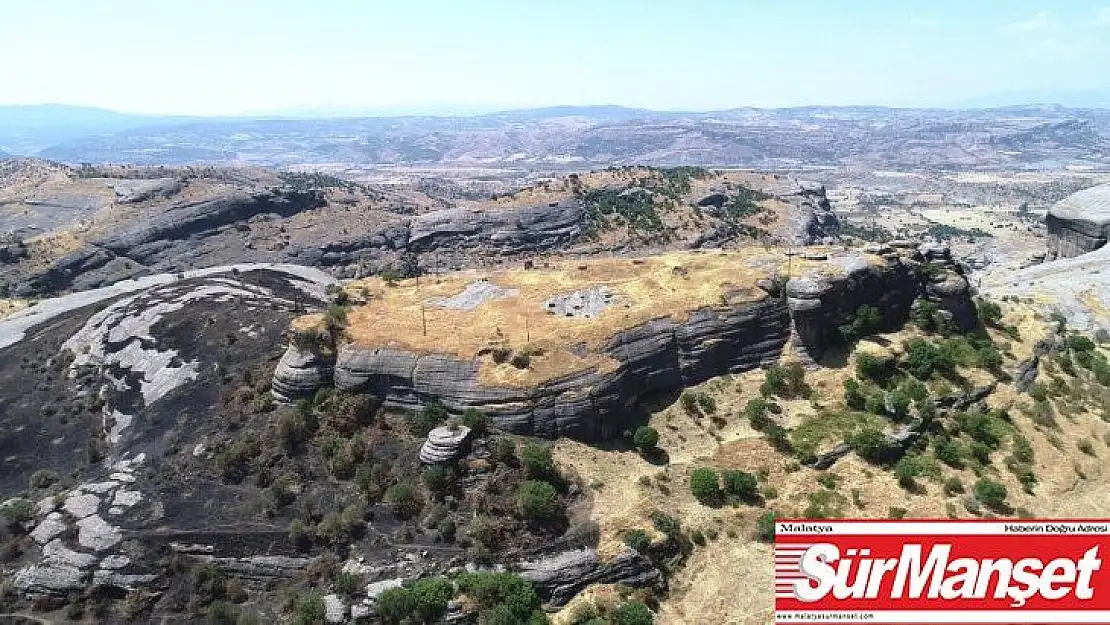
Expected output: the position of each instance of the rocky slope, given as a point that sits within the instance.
(121, 223)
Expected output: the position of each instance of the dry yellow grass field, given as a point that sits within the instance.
(669, 285)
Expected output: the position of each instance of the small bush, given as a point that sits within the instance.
(430, 597)
(706, 403)
(689, 403)
(741, 484)
(405, 499)
(871, 445)
(645, 438)
(896, 513)
(907, 470)
(786, 381)
(705, 486)
(538, 501)
(637, 540)
(828, 480)
(43, 478)
(875, 368)
(309, 609)
(765, 527)
(347, 584)
(953, 486)
(1085, 446)
(537, 461)
(395, 605)
(991, 494)
(477, 421)
(438, 480)
(633, 613)
(666, 523)
(427, 418)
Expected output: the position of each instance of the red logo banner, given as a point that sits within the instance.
(845, 571)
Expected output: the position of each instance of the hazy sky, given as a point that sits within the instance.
(236, 56)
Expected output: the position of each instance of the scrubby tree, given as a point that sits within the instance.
(538, 501)
(706, 487)
(645, 438)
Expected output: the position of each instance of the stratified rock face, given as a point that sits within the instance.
(181, 222)
(444, 445)
(820, 304)
(812, 219)
(1079, 223)
(559, 578)
(655, 357)
(509, 230)
(300, 372)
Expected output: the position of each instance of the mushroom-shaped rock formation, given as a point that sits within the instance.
(445, 444)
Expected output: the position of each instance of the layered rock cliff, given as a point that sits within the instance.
(661, 355)
(1079, 223)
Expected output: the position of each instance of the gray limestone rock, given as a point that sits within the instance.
(444, 445)
(81, 505)
(559, 578)
(1079, 223)
(506, 230)
(51, 526)
(48, 579)
(301, 372)
(97, 534)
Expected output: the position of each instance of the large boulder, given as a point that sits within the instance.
(1079, 223)
(559, 578)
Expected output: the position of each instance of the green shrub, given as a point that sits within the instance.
(405, 499)
(538, 462)
(950, 452)
(953, 486)
(871, 445)
(765, 527)
(645, 438)
(689, 403)
(705, 486)
(1079, 343)
(906, 470)
(504, 450)
(853, 394)
(633, 613)
(430, 597)
(923, 359)
(477, 421)
(706, 403)
(878, 369)
(828, 480)
(666, 523)
(866, 320)
(395, 606)
(894, 512)
(637, 540)
(347, 584)
(741, 484)
(309, 609)
(786, 381)
(990, 313)
(438, 480)
(778, 437)
(427, 418)
(43, 478)
(538, 501)
(991, 494)
(500, 596)
(898, 404)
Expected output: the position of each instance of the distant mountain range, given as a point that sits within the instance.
(573, 137)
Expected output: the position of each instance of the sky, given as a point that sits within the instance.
(222, 57)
